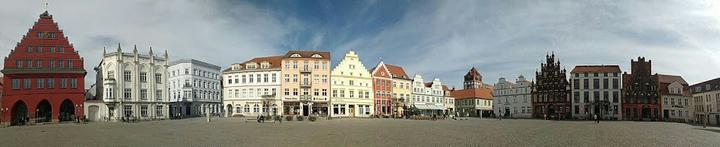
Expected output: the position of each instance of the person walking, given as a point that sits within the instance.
(597, 121)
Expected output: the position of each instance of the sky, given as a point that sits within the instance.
(434, 38)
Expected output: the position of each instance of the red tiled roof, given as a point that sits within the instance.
(481, 93)
(397, 71)
(275, 62)
(670, 79)
(473, 73)
(308, 54)
(596, 68)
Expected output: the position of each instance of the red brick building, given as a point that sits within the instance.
(641, 99)
(44, 77)
(382, 86)
(551, 91)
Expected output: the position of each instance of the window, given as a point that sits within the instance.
(596, 96)
(576, 83)
(615, 83)
(40, 83)
(143, 77)
(63, 83)
(19, 63)
(158, 78)
(586, 83)
(258, 78)
(73, 83)
(127, 110)
(51, 83)
(576, 97)
(15, 83)
(615, 97)
(158, 94)
(26, 83)
(127, 93)
(143, 94)
(596, 83)
(606, 95)
(159, 110)
(586, 96)
(143, 111)
(250, 79)
(606, 85)
(127, 76)
(266, 77)
(274, 78)
(29, 49)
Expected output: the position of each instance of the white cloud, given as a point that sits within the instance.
(186, 28)
(500, 38)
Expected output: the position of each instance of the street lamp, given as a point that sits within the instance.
(37, 111)
(2, 112)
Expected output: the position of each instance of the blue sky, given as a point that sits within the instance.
(435, 38)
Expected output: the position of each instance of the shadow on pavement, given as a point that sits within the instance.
(708, 129)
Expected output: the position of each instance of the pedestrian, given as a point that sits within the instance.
(597, 121)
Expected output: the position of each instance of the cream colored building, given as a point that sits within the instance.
(252, 88)
(352, 93)
(401, 89)
(305, 83)
(675, 95)
(706, 96)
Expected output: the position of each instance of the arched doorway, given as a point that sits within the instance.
(229, 110)
(67, 110)
(19, 113)
(93, 113)
(43, 112)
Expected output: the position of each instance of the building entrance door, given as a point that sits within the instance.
(352, 110)
(305, 110)
(666, 114)
(646, 114)
(507, 112)
(43, 113)
(19, 113)
(67, 111)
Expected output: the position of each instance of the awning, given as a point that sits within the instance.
(431, 107)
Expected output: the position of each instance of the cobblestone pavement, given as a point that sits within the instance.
(363, 132)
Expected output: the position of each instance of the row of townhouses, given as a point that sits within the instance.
(43, 80)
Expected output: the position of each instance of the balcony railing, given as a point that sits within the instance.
(305, 85)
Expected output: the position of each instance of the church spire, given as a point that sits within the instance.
(119, 50)
(135, 49)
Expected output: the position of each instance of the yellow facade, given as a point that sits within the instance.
(352, 93)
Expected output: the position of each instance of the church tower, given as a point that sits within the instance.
(473, 79)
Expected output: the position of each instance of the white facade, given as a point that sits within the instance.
(430, 98)
(132, 85)
(706, 102)
(512, 100)
(253, 88)
(592, 90)
(194, 88)
(352, 94)
(676, 106)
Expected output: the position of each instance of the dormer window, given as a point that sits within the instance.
(264, 65)
(295, 56)
(316, 56)
(250, 66)
(708, 86)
